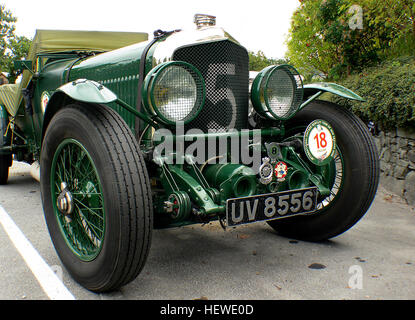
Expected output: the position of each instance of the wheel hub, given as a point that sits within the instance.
(64, 201)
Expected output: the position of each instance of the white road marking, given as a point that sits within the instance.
(48, 280)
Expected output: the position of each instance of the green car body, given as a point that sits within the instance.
(131, 77)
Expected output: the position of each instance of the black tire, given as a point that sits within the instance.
(360, 176)
(5, 163)
(125, 189)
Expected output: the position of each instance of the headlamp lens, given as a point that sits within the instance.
(277, 92)
(175, 92)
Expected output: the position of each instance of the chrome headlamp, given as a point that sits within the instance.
(174, 92)
(277, 92)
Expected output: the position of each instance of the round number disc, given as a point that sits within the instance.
(319, 142)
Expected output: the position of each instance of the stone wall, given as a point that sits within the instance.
(397, 162)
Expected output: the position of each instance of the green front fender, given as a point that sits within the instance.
(313, 90)
(82, 90)
(88, 91)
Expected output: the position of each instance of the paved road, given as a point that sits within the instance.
(373, 260)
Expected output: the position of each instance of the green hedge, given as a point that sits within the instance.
(389, 90)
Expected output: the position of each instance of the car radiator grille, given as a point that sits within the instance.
(224, 66)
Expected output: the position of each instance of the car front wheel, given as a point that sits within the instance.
(352, 175)
(96, 196)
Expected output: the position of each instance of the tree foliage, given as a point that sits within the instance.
(389, 91)
(12, 47)
(258, 61)
(333, 38)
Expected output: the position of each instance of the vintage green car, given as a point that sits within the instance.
(132, 134)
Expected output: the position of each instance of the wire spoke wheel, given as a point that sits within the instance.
(352, 176)
(96, 196)
(333, 174)
(84, 227)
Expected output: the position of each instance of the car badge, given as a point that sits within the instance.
(281, 170)
(265, 171)
(273, 151)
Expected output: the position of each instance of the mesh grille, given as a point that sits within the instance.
(224, 66)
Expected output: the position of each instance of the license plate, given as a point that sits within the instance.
(270, 206)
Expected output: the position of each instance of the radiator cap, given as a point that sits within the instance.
(204, 20)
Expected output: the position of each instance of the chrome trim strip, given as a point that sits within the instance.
(165, 49)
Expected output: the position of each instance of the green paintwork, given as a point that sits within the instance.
(89, 91)
(196, 192)
(118, 71)
(232, 180)
(183, 193)
(310, 99)
(308, 176)
(51, 62)
(141, 115)
(175, 179)
(48, 80)
(271, 132)
(333, 88)
(257, 94)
